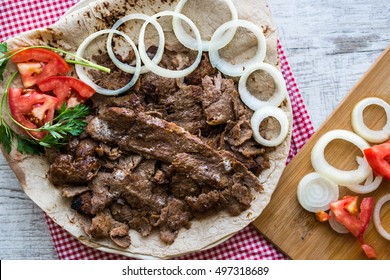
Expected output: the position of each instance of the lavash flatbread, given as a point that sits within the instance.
(31, 171)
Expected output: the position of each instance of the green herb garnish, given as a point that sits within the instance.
(69, 122)
(3, 58)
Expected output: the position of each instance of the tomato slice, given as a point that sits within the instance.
(366, 208)
(356, 225)
(31, 109)
(369, 251)
(342, 215)
(67, 89)
(377, 157)
(37, 64)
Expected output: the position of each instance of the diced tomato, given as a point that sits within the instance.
(356, 224)
(322, 216)
(37, 64)
(377, 156)
(67, 89)
(369, 251)
(351, 222)
(366, 208)
(31, 109)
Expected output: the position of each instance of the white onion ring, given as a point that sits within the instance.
(189, 42)
(263, 113)
(253, 102)
(160, 50)
(377, 218)
(336, 226)
(315, 192)
(226, 67)
(340, 177)
(369, 185)
(373, 136)
(166, 72)
(83, 76)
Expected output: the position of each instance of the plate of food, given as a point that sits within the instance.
(149, 129)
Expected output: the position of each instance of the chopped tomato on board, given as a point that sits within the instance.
(37, 64)
(356, 224)
(31, 109)
(369, 251)
(322, 216)
(377, 157)
(67, 89)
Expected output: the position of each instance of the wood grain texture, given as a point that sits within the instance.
(301, 236)
(329, 44)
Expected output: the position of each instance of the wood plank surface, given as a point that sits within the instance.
(296, 231)
(329, 44)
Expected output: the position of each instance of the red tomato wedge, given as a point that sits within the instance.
(356, 224)
(67, 89)
(369, 251)
(377, 157)
(31, 109)
(37, 64)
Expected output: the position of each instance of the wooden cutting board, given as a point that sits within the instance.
(295, 231)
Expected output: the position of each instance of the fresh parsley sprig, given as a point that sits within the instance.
(5, 55)
(68, 122)
(3, 58)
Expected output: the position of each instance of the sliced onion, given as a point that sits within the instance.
(84, 77)
(336, 226)
(315, 192)
(340, 177)
(190, 42)
(160, 50)
(377, 217)
(369, 185)
(152, 66)
(238, 69)
(263, 113)
(373, 136)
(253, 102)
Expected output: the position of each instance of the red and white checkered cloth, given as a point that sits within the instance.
(17, 16)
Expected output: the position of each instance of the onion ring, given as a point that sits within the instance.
(166, 72)
(189, 42)
(369, 185)
(340, 177)
(377, 217)
(160, 50)
(358, 125)
(238, 69)
(253, 102)
(315, 192)
(263, 113)
(83, 76)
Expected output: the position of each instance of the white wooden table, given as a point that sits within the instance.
(330, 44)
